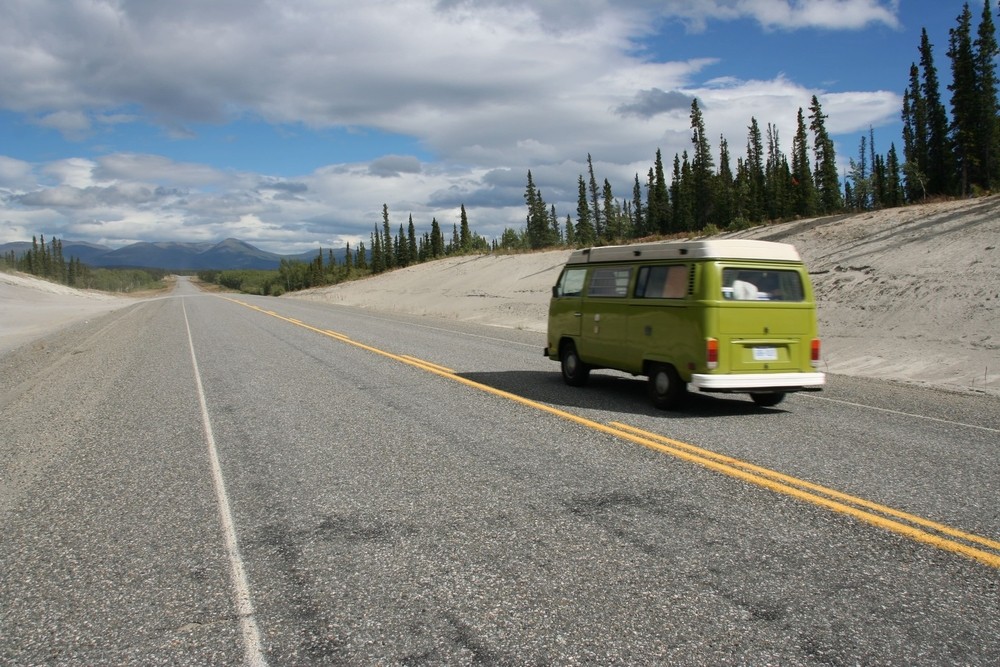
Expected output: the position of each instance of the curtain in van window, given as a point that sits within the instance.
(609, 282)
(662, 282)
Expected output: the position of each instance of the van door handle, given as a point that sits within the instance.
(577, 314)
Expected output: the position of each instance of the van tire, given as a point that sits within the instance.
(575, 373)
(768, 400)
(666, 388)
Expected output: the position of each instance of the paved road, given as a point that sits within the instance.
(203, 479)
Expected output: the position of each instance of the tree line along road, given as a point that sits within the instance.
(223, 479)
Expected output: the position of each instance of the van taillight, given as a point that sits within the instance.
(712, 353)
(814, 353)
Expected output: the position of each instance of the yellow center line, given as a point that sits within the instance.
(443, 369)
(787, 479)
(825, 497)
(907, 525)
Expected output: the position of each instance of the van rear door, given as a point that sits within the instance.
(765, 322)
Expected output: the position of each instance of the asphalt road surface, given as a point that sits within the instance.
(221, 479)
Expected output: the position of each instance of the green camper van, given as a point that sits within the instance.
(731, 316)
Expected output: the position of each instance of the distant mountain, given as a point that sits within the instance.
(161, 255)
(228, 254)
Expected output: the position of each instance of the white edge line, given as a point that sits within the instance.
(253, 655)
(902, 414)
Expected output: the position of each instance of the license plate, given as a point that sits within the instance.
(765, 354)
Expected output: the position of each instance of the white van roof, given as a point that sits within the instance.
(705, 249)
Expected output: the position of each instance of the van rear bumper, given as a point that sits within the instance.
(759, 382)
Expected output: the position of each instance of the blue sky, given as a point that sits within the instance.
(289, 125)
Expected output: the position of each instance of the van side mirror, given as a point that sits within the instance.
(555, 291)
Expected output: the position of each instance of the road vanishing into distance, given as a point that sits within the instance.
(218, 479)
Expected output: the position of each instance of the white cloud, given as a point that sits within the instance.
(490, 88)
(157, 169)
(826, 14)
(787, 14)
(855, 112)
(16, 175)
(72, 172)
(72, 124)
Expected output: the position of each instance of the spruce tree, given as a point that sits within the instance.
(877, 171)
(639, 228)
(756, 179)
(555, 232)
(361, 260)
(464, 234)
(399, 249)
(916, 155)
(45, 263)
(659, 198)
(437, 239)
(378, 260)
(939, 167)
(388, 249)
(424, 248)
(860, 179)
(59, 262)
(986, 52)
(614, 231)
(894, 194)
(33, 259)
(316, 270)
(803, 187)
(964, 102)
(724, 188)
(777, 177)
(412, 256)
(682, 195)
(702, 172)
(537, 221)
(570, 232)
(825, 174)
(586, 235)
(599, 222)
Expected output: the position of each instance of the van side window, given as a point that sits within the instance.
(610, 282)
(740, 284)
(571, 282)
(662, 282)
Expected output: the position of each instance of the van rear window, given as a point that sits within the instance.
(741, 284)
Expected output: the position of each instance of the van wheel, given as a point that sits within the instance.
(768, 400)
(575, 373)
(666, 388)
